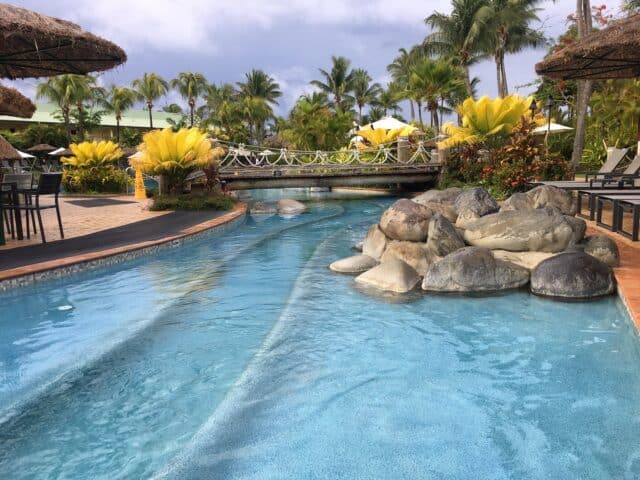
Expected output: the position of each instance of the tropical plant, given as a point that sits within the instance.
(458, 36)
(486, 119)
(338, 82)
(504, 26)
(173, 155)
(400, 70)
(632, 6)
(380, 136)
(190, 86)
(387, 100)
(118, 100)
(150, 88)
(258, 93)
(92, 168)
(364, 92)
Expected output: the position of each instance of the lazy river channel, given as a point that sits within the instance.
(241, 356)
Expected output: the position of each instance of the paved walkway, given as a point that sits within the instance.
(95, 224)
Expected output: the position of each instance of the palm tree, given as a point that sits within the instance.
(338, 82)
(505, 28)
(400, 70)
(388, 100)
(150, 88)
(260, 85)
(190, 86)
(458, 36)
(430, 82)
(364, 92)
(67, 91)
(118, 100)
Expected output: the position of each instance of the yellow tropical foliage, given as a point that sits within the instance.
(486, 117)
(380, 136)
(93, 154)
(165, 152)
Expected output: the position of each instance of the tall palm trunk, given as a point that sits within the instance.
(413, 111)
(419, 107)
(150, 107)
(192, 106)
(467, 80)
(118, 117)
(80, 121)
(503, 91)
(67, 122)
(360, 113)
(585, 87)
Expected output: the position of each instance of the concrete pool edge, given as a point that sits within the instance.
(60, 268)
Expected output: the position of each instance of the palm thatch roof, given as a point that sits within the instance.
(610, 53)
(7, 152)
(14, 104)
(41, 147)
(36, 45)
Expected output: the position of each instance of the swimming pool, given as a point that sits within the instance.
(242, 356)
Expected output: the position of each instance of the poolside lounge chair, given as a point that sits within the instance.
(603, 178)
(628, 206)
(614, 201)
(586, 199)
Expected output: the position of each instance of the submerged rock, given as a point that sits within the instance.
(355, 264)
(413, 254)
(473, 269)
(406, 220)
(474, 203)
(604, 249)
(393, 275)
(541, 230)
(288, 206)
(443, 238)
(575, 275)
(263, 208)
(375, 242)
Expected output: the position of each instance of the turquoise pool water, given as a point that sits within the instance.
(241, 356)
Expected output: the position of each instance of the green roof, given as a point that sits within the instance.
(131, 118)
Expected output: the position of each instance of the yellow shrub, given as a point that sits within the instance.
(93, 154)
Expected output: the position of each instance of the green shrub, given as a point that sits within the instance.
(192, 202)
(105, 180)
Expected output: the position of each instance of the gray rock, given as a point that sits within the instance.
(517, 201)
(447, 209)
(355, 264)
(476, 200)
(413, 254)
(549, 196)
(473, 269)
(393, 275)
(406, 220)
(443, 238)
(466, 217)
(358, 247)
(604, 249)
(528, 260)
(540, 230)
(375, 242)
(579, 227)
(263, 208)
(287, 206)
(438, 196)
(573, 275)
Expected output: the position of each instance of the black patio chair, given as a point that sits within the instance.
(24, 187)
(49, 184)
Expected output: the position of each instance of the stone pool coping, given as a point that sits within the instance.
(62, 267)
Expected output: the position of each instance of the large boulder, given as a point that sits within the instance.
(540, 230)
(528, 260)
(438, 196)
(406, 220)
(517, 201)
(604, 249)
(549, 196)
(476, 200)
(579, 227)
(375, 242)
(355, 264)
(263, 208)
(473, 269)
(573, 275)
(287, 206)
(393, 275)
(443, 238)
(447, 209)
(413, 254)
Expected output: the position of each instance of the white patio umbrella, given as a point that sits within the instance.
(555, 128)
(25, 155)
(386, 123)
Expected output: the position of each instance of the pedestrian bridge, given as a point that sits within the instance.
(246, 167)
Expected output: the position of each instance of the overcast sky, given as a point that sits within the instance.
(289, 39)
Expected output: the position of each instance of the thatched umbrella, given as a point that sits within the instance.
(7, 152)
(62, 152)
(610, 53)
(36, 45)
(14, 104)
(41, 148)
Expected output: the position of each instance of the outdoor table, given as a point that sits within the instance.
(15, 200)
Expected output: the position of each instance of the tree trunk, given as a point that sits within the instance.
(67, 123)
(192, 106)
(150, 107)
(118, 129)
(467, 81)
(413, 111)
(419, 105)
(498, 75)
(505, 85)
(585, 87)
(360, 113)
(80, 121)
